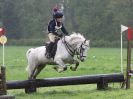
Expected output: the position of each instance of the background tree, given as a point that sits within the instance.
(97, 20)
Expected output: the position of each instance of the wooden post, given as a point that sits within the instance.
(102, 84)
(3, 82)
(31, 88)
(128, 65)
(3, 90)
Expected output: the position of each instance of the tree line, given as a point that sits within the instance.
(98, 20)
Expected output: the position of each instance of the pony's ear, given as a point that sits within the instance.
(87, 42)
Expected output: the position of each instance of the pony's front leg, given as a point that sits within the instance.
(73, 68)
(61, 66)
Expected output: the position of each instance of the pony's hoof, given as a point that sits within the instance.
(65, 68)
(30, 78)
(72, 68)
(60, 70)
(55, 68)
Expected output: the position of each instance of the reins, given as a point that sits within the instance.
(69, 48)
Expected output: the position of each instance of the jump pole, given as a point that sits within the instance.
(101, 80)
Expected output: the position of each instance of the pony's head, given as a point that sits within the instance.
(80, 44)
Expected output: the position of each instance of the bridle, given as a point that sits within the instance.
(78, 51)
(81, 50)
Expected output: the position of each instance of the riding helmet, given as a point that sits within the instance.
(58, 15)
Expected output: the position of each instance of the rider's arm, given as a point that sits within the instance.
(64, 30)
(51, 27)
(51, 30)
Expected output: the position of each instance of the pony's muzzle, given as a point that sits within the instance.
(82, 59)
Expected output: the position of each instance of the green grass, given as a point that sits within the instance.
(100, 60)
(75, 92)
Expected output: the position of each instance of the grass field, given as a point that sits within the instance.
(99, 60)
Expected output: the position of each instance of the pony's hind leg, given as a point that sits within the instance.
(31, 67)
(31, 76)
(30, 70)
(38, 70)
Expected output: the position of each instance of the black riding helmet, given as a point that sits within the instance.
(58, 15)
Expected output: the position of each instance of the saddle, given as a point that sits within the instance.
(51, 49)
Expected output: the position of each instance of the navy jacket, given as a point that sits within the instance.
(57, 28)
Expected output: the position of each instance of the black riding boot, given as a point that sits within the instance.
(49, 49)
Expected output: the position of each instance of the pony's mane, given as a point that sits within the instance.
(76, 37)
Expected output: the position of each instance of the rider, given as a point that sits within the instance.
(56, 30)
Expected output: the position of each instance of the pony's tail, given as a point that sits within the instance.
(27, 55)
(27, 68)
(28, 52)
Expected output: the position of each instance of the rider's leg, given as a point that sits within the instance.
(51, 37)
(50, 45)
(49, 49)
